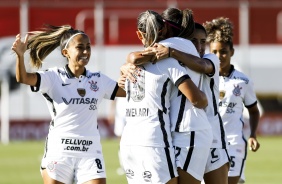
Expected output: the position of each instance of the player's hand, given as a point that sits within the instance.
(121, 81)
(253, 144)
(130, 71)
(161, 52)
(150, 51)
(20, 46)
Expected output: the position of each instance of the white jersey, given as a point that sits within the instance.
(148, 104)
(210, 86)
(73, 104)
(236, 90)
(184, 116)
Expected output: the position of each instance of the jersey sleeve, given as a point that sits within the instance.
(173, 69)
(110, 87)
(45, 81)
(181, 44)
(214, 61)
(185, 46)
(250, 98)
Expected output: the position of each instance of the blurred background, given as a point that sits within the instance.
(111, 25)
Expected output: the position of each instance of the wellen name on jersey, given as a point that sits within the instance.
(137, 112)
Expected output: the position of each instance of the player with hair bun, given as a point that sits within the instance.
(217, 165)
(236, 91)
(191, 130)
(155, 90)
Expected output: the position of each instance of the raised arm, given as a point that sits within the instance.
(19, 47)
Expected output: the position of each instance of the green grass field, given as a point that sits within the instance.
(20, 161)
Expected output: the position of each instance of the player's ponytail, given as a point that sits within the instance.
(42, 43)
(187, 25)
(151, 24)
(181, 23)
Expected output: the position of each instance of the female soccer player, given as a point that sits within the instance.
(73, 151)
(236, 91)
(187, 120)
(146, 143)
(216, 171)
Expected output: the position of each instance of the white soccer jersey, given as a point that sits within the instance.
(236, 90)
(148, 104)
(210, 86)
(73, 104)
(184, 116)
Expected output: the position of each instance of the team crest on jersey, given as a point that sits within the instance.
(51, 166)
(222, 94)
(137, 90)
(81, 92)
(93, 86)
(237, 90)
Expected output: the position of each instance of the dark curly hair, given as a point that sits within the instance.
(220, 30)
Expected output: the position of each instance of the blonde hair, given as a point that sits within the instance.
(42, 43)
(151, 24)
(220, 30)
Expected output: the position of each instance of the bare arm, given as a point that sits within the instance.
(121, 83)
(193, 94)
(130, 71)
(120, 92)
(137, 58)
(195, 63)
(19, 47)
(254, 120)
(112, 112)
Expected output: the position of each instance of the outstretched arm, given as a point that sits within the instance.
(19, 47)
(195, 63)
(137, 58)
